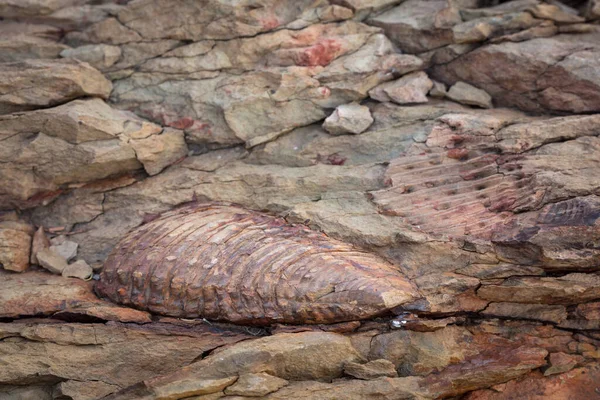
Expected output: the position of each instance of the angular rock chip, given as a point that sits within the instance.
(348, 118)
(467, 94)
(51, 260)
(40, 242)
(256, 385)
(159, 151)
(44, 83)
(226, 263)
(411, 88)
(371, 370)
(79, 269)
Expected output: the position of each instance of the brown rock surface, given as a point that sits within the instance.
(371, 370)
(581, 383)
(115, 354)
(43, 294)
(547, 74)
(490, 216)
(44, 83)
(15, 247)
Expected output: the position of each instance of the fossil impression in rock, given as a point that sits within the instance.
(226, 263)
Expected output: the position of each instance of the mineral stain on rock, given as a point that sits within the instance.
(226, 263)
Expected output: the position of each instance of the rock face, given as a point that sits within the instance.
(424, 244)
(542, 75)
(42, 83)
(226, 263)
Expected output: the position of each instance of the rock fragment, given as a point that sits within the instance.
(157, 152)
(100, 56)
(411, 88)
(417, 26)
(348, 118)
(51, 261)
(467, 94)
(40, 242)
(22, 47)
(65, 248)
(570, 81)
(79, 269)
(438, 90)
(592, 9)
(371, 370)
(562, 362)
(255, 385)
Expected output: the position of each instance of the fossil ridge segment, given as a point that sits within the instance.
(227, 263)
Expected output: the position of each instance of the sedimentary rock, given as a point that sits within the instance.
(247, 267)
(467, 94)
(547, 74)
(350, 118)
(45, 83)
(412, 88)
(43, 294)
(15, 245)
(491, 214)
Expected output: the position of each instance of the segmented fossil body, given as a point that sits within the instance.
(226, 263)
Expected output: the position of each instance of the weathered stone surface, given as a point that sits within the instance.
(348, 118)
(43, 294)
(22, 47)
(466, 94)
(88, 390)
(157, 152)
(580, 383)
(420, 353)
(255, 385)
(555, 314)
(79, 269)
(562, 362)
(64, 247)
(411, 88)
(384, 388)
(371, 370)
(491, 214)
(39, 242)
(116, 354)
(297, 356)
(510, 73)
(417, 26)
(569, 289)
(34, 84)
(100, 56)
(15, 247)
(81, 141)
(592, 10)
(10, 392)
(251, 277)
(51, 260)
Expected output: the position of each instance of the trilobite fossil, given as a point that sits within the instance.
(226, 263)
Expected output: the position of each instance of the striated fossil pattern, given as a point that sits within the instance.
(227, 263)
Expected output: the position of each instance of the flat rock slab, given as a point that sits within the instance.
(114, 353)
(43, 294)
(31, 84)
